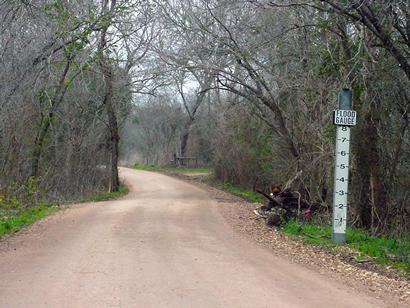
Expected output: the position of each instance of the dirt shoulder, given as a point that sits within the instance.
(378, 281)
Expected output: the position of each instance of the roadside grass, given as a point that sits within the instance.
(106, 196)
(250, 195)
(15, 219)
(26, 217)
(237, 191)
(181, 169)
(380, 249)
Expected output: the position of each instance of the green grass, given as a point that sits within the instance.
(26, 217)
(382, 250)
(236, 190)
(182, 170)
(105, 196)
(18, 218)
(244, 193)
(146, 167)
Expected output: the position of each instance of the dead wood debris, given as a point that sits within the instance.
(283, 205)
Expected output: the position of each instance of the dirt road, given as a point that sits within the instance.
(164, 245)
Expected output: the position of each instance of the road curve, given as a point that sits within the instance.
(163, 245)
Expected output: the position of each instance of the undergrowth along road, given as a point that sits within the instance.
(12, 224)
(180, 169)
(16, 218)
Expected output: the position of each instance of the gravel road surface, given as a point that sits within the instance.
(163, 245)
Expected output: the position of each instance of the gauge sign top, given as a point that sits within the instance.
(345, 117)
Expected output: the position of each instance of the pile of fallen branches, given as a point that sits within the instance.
(283, 205)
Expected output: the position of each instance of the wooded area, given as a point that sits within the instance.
(246, 86)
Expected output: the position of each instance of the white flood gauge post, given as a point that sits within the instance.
(344, 118)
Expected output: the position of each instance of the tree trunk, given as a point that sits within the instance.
(39, 144)
(372, 194)
(113, 128)
(45, 124)
(185, 137)
(192, 114)
(377, 190)
(107, 73)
